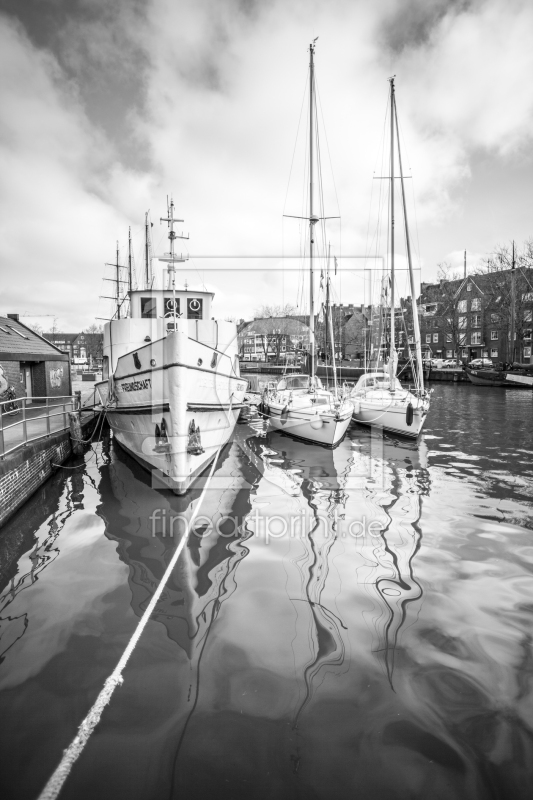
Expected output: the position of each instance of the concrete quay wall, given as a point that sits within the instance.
(25, 470)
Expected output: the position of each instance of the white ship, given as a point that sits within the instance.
(171, 382)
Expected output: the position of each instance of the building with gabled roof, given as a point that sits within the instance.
(31, 364)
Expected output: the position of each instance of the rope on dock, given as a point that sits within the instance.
(75, 749)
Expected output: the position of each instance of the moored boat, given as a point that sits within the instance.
(171, 387)
(379, 398)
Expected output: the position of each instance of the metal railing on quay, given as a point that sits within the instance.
(24, 420)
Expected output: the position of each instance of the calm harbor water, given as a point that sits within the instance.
(360, 624)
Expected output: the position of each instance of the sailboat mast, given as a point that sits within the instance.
(392, 298)
(416, 326)
(513, 310)
(329, 321)
(312, 218)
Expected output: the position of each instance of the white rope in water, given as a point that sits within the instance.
(74, 750)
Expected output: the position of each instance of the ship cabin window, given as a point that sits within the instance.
(148, 307)
(194, 308)
(168, 306)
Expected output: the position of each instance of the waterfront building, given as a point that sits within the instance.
(32, 365)
(85, 348)
(474, 317)
(273, 339)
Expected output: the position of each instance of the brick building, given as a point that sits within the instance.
(472, 317)
(272, 338)
(83, 348)
(29, 363)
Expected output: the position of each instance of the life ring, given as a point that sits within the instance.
(194, 305)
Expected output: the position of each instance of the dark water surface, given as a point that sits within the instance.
(379, 647)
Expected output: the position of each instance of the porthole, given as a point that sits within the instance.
(153, 362)
(200, 362)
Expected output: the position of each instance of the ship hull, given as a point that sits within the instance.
(172, 405)
(492, 377)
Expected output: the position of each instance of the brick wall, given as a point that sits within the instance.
(57, 378)
(12, 371)
(22, 472)
(38, 379)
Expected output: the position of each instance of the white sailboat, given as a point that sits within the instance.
(299, 405)
(379, 398)
(171, 387)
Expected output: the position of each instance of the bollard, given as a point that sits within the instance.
(77, 405)
(75, 432)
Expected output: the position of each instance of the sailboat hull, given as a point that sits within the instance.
(319, 427)
(391, 419)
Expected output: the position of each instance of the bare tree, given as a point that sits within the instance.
(265, 311)
(94, 342)
(445, 272)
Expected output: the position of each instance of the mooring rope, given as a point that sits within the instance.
(75, 749)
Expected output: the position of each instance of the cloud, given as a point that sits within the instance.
(128, 102)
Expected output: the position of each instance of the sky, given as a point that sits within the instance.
(108, 108)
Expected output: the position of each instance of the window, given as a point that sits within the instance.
(493, 336)
(409, 326)
(428, 338)
(476, 321)
(528, 315)
(148, 307)
(449, 353)
(462, 322)
(462, 338)
(168, 306)
(194, 308)
(435, 323)
(494, 318)
(411, 339)
(527, 352)
(461, 306)
(435, 337)
(493, 353)
(475, 338)
(464, 352)
(476, 304)
(449, 337)
(527, 296)
(527, 333)
(469, 287)
(485, 354)
(431, 308)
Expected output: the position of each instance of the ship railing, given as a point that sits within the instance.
(24, 420)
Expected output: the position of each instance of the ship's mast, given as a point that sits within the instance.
(392, 299)
(147, 261)
(117, 267)
(130, 276)
(416, 326)
(313, 219)
(171, 259)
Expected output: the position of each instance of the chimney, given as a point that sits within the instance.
(13, 316)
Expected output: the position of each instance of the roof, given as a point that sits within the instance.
(19, 343)
(271, 325)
